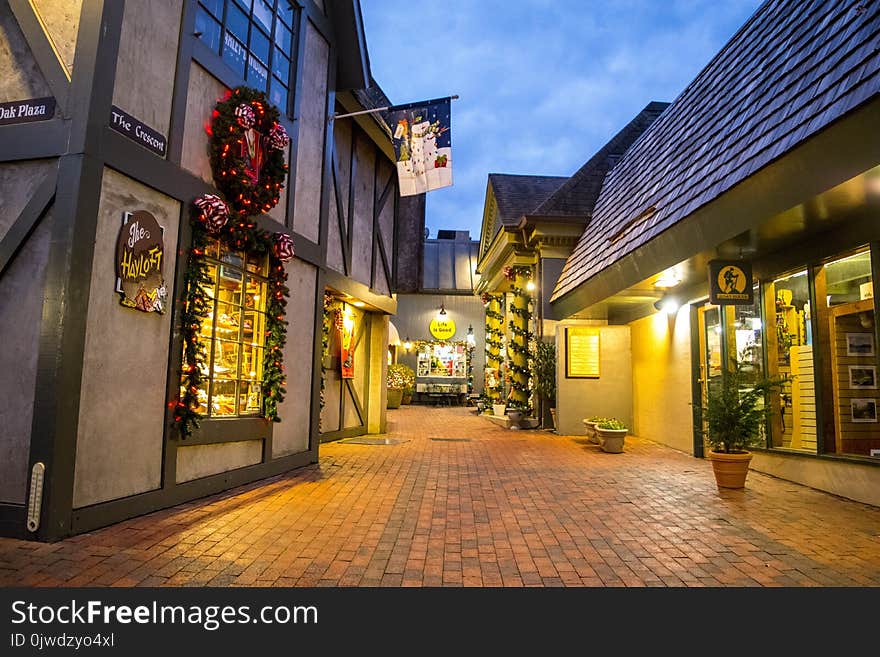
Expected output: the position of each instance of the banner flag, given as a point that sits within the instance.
(422, 145)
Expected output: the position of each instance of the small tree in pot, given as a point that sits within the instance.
(397, 381)
(544, 376)
(735, 413)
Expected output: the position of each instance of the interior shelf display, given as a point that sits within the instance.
(442, 359)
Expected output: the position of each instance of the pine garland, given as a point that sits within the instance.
(228, 147)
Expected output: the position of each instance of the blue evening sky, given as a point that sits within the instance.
(543, 83)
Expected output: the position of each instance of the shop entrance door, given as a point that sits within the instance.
(711, 352)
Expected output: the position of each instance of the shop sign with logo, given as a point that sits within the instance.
(730, 282)
(140, 251)
(26, 111)
(442, 329)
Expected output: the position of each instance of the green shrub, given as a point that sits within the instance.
(611, 423)
(401, 376)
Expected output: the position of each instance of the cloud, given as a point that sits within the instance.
(543, 84)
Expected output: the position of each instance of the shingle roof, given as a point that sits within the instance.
(519, 195)
(790, 71)
(577, 196)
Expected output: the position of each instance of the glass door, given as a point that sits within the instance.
(711, 348)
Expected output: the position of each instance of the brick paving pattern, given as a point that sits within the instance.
(504, 508)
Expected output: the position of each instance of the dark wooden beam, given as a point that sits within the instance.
(27, 220)
(44, 52)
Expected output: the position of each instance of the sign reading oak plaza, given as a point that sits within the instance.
(730, 282)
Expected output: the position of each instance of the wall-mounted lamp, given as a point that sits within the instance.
(407, 344)
(530, 286)
(667, 304)
(441, 315)
(471, 338)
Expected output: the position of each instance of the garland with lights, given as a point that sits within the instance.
(247, 151)
(494, 305)
(519, 347)
(244, 127)
(327, 323)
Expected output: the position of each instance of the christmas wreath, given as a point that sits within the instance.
(247, 151)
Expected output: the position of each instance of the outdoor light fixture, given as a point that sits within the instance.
(442, 314)
(530, 286)
(667, 304)
(407, 344)
(471, 339)
(667, 279)
(358, 304)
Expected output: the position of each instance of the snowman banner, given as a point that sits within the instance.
(422, 145)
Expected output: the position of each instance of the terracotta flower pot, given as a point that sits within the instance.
(730, 469)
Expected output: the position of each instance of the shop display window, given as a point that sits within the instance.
(845, 300)
(233, 334)
(790, 355)
(439, 359)
(254, 38)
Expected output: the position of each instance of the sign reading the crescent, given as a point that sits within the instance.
(730, 282)
(139, 254)
(442, 329)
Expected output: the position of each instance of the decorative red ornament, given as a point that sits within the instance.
(245, 116)
(278, 138)
(283, 247)
(214, 212)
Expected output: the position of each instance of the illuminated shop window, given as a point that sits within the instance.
(234, 334)
(254, 37)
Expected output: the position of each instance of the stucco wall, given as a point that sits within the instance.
(204, 460)
(18, 181)
(291, 435)
(62, 24)
(21, 77)
(21, 306)
(147, 60)
(310, 135)
(203, 92)
(855, 481)
(609, 396)
(119, 442)
(661, 361)
(362, 238)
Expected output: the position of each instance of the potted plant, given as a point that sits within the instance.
(409, 377)
(590, 427)
(611, 433)
(544, 376)
(515, 413)
(396, 381)
(735, 413)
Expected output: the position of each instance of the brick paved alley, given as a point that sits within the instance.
(463, 502)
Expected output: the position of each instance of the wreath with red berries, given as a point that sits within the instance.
(247, 151)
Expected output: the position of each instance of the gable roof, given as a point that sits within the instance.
(790, 71)
(578, 194)
(518, 195)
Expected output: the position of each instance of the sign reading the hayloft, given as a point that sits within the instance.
(138, 131)
(139, 254)
(26, 111)
(730, 282)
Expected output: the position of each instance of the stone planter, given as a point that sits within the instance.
(590, 428)
(611, 440)
(553, 415)
(395, 396)
(514, 418)
(498, 409)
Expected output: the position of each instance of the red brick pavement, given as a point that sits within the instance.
(506, 508)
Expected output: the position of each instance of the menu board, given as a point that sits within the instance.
(582, 352)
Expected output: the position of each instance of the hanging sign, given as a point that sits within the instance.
(347, 346)
(138, 131)
(730, 282)
(442, 329)
(26, 111)
(139, 254)
(422, 145)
